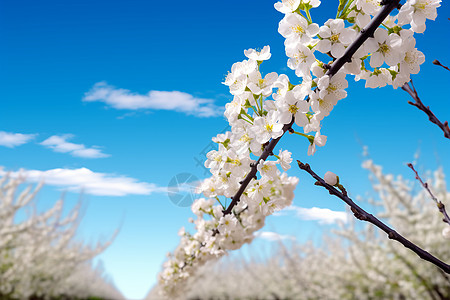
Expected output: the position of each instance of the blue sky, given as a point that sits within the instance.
(57, 55)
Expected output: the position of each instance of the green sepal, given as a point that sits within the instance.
(291, 86)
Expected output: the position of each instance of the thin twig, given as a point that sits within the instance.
(368, 31)
(439, 204)
(438, 63)
(426, 109)
(361, 214)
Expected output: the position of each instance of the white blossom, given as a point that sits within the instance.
(370, 7)
(266, 128)
(300, 58)
(285, 159)
(287, 6)
(335, 37)
(384, 48)
(416, 12)
(319, 140)
(331, 89)
(262, 55)
(259, 85)
(295, 28)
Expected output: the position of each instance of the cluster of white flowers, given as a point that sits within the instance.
(39, 257)
(393, 44)
(217, 232)
(265, 106)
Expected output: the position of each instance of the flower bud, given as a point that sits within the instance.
(446, 232)
(330, 178)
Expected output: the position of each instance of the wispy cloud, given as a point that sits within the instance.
(11, 140)
(153, 100)
(86, 181)
(322, 215)
(273, 236)
(58, 143)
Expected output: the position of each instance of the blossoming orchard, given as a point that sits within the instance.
(369, 41)
(39, 258)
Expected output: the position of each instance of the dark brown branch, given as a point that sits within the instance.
(361, 214)
(368, 31)
(438, 63)
(439, 204)
(426, 109)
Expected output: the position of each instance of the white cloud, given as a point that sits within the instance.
(11, 140)
(155, 100)
(322, 215)
(86, 181)
(273, 236)
(59, 144)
